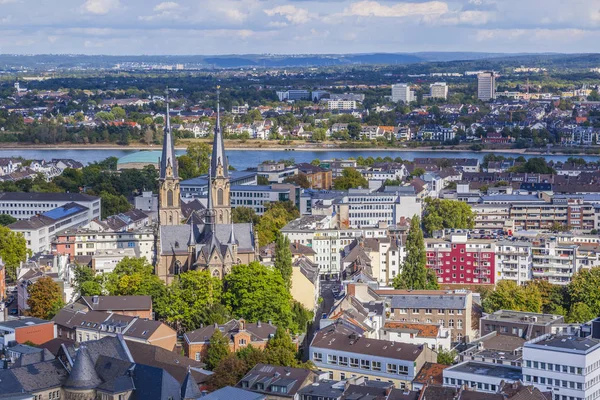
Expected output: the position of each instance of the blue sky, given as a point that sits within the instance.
(297, 26)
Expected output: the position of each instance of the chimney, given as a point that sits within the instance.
(95, 300)
(258, 325)
(241, 324)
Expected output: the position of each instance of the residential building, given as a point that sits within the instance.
(436, 337)
(318, 177)
(76, 325)
(40, 230)
(438, 90)
(337, 166)
(341, 104)
(277, 383)
(513, 261)
(239, 333)
(22, 205)
(565, 365)
(305, 282)
(133, 306)
(553, 261)
(460, 260)
(276, 172)
(342, 352)
(449, 309)
(401, 92)
(486, 86)
(521, 324)
(26, 329)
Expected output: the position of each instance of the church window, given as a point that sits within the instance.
(220, 197)
(216, 273)
(170, 218)
(177, 269)
(169, 198)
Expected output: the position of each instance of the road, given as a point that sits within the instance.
(326, 294)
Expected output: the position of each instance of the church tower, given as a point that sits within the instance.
(219, 187)
(169, 200)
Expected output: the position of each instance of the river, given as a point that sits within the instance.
(242, 159)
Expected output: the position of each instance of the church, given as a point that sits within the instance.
(217, 243)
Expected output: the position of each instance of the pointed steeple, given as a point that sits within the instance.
(232, 235)
(189, 387)
(83, 373)
(168, 159)
(192, 238)
(218, 151)
(209, 216)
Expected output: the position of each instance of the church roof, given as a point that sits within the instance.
(218, 151)
(174, 239)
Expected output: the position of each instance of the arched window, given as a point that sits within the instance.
(220, 197)
(215, 273)
(170, 218)
(177, 269)
(169, 198)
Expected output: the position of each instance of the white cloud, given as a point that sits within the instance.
(100, 7)
(291, 13)
(166, 6)
(368, 8)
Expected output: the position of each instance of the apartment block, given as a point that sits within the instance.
(343, 353)
(513, 261)
(486, 86)
(460, 260)
(553, 261)
(524, 325)
(401, 92)
(448, 309)
(438, 90)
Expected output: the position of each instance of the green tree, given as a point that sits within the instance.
(276, 217)
(13, 250)
(510, 296)
(118, 113)
(414, 273)
(241, 215)
(354, 130)
(552, 296)
(90, 288)
(281, 350)
(350, 178)
(113, 204)
(446, 357)
(258, 293)
(228, 372)
(218, 349)
(299, 179)
(200, 155)
(6, 219)
(135, 276)
(583, 288)
(417, 172)
(535, 165)
(187, 167)
(251, 355)
(283, 258)
(45, 298)
(447, 214)
(579, 313)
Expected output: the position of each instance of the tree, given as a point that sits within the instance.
(579, 313)
(45, 298)
(552, 296)
(319, 135)
(283, 258)
(583, 288)
(281, 350)
(510, 296)
(113, 204)
(447, 214)
(90, 288)
(350, 178)
(135, 276)
(417, 172)
(446, 357)
(298, 179)
(241, 215)
(262, 180)
(535, 165)
(258, 293)
(276, 217)
(6, 219)
(13, 250)
(218, 349)
(118, 113)
(200, 155)
(414, 273)
(354, 130)
(187, 167)
(228, 372)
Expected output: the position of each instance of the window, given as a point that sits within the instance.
(343, 360)
(354, 362)
(376, 366)
(318, 356)
(365, 364)
(392, 369)
(428, 311)
(331, 359)
(169, 198)
(242, 342)
(197, 356)
(459, 323)
(450, 323)
(403, 370)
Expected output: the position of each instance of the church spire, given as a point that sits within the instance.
(209, 216)
(168, 161)
(218, 152)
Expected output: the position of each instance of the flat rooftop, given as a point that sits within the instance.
(491, 370)
(566, 343)
(523, 317)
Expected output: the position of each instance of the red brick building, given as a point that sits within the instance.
(26, 329)
(459, 260)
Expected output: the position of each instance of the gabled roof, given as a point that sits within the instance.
(114, 303)
(259, 331)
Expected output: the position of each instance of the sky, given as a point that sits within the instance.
(133, 27)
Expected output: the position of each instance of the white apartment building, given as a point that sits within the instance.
(401, 92)
(486, 86)
(569, 366)
(483, 377)
(341, 104)
(434, 336)
(21, 205)
(438, 90)
(553, 261)
(513, 261)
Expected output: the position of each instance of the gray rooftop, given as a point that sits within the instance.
(23, 322)
(38, 196)
(324, 388)
(233, 393)
(576, 343)
(524, 317)
(491, 370)
(442, 302)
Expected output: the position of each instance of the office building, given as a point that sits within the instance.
(521, 324)
(438, 90)
(483, 377)
(40, 230)
(293, 95)
(401, 92)
(486, 86)
(341, 104)
(22, 205)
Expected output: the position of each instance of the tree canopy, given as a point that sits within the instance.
(510, 296)
(447, 214)
(350, 178)
(13, 250)
(276, 217)
(45, 298)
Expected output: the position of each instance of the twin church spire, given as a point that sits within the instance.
(219, 204)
